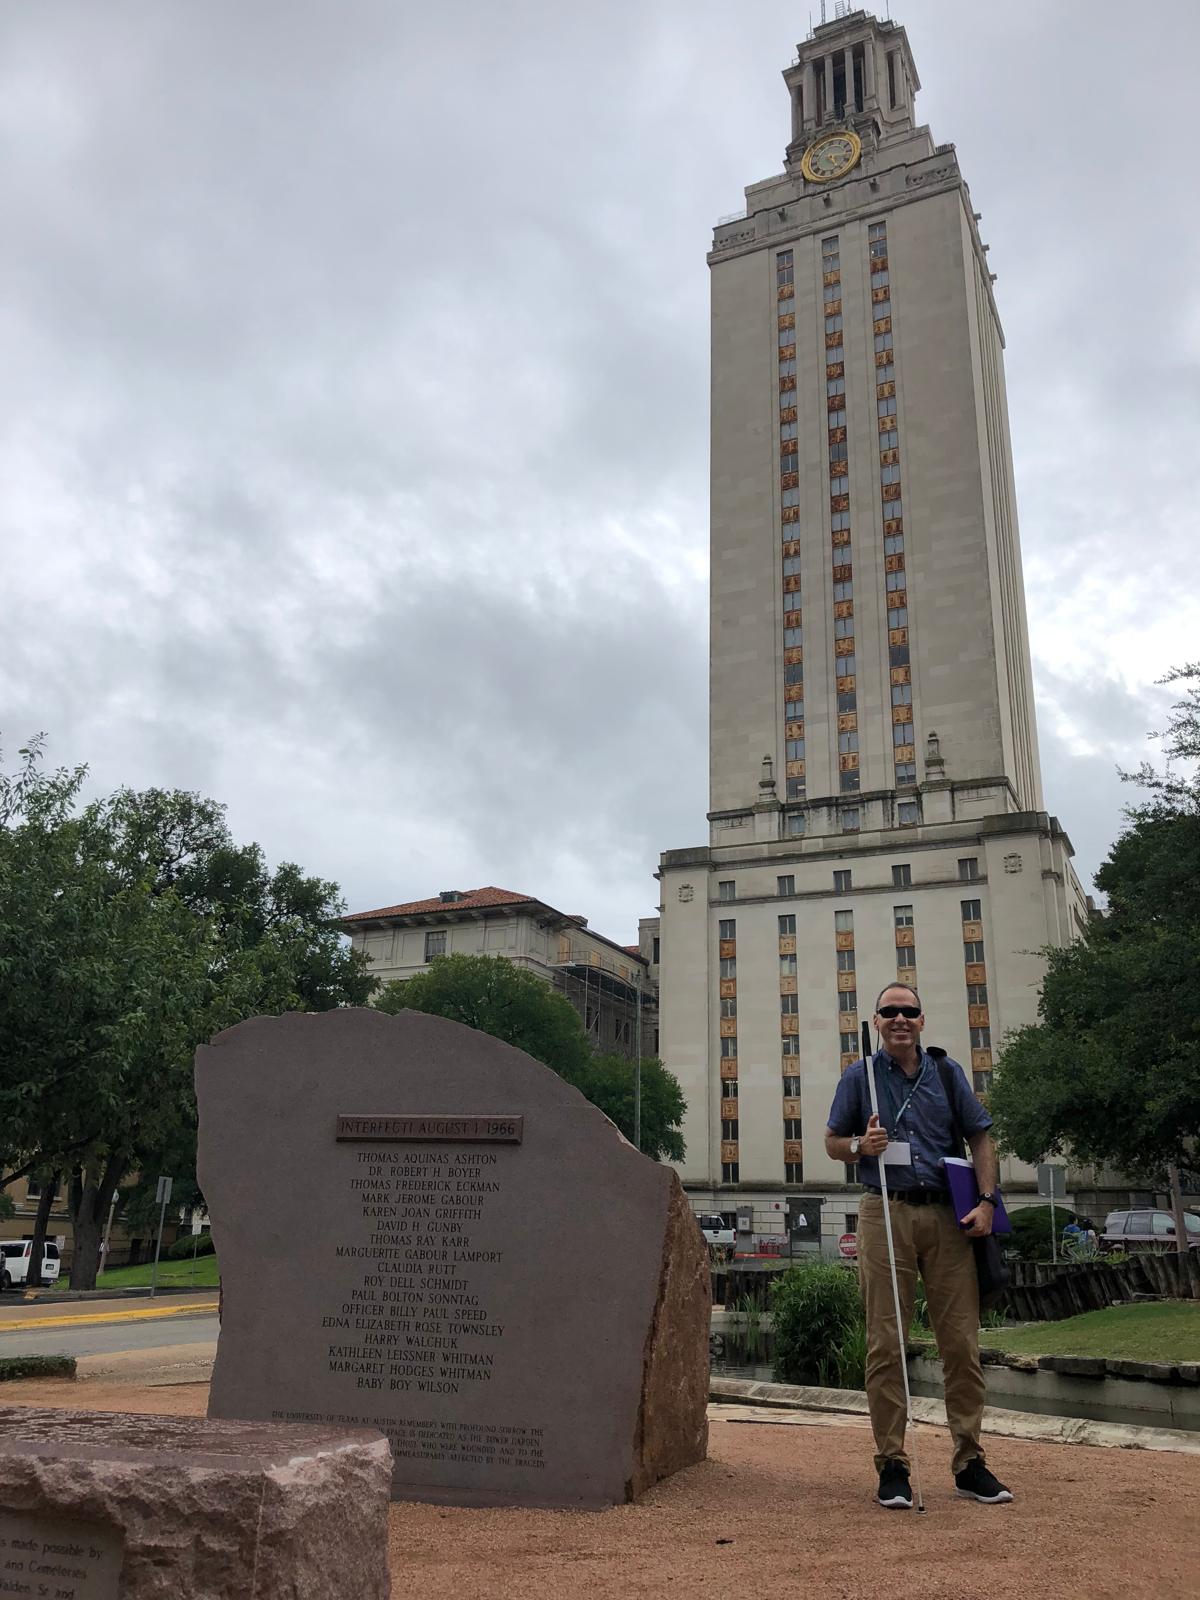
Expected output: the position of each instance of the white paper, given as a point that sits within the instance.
(898, 1154)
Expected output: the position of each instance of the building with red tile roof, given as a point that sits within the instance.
(611, 985)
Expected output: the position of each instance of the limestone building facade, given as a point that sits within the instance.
(876, 807)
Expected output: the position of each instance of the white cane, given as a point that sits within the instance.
(901, 1330)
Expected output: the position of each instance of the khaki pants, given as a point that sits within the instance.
(928, 1240)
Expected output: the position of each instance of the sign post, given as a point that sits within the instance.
(162, 1196)
(1052, 1185)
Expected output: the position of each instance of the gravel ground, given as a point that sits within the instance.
(793, 1502)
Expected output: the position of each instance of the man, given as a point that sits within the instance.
(915, 1111)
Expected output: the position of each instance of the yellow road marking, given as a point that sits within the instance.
(135, 1315)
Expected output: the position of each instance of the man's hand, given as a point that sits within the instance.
(875, 1140)
(978, 1223)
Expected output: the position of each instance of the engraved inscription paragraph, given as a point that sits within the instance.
(57, 1558)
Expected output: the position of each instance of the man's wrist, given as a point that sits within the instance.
(989, 1197)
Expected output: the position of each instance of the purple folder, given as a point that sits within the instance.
(964, 1192)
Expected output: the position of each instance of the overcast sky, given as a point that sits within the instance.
(354, 427)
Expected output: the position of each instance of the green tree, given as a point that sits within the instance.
(493, 995)
(1111, 1072)
(130, 933)
(608, 1081)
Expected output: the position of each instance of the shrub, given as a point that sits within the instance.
(851, 1358)
(12, 1367)
(817, 1317)
(189, 1244)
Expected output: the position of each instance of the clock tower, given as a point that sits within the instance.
(875, 800)
(855, 75)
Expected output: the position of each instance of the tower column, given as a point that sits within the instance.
(848, 59)
(869, 92)
(827, 69)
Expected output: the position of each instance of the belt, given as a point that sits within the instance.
(914, 1197)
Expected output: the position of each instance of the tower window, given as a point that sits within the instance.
(839, 84)
(891, 61)
(901, 875)
(841, 882)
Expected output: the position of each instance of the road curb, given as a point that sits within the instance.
(1008, 1424)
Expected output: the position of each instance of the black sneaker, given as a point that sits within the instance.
(894, 1491)
(975, 1482)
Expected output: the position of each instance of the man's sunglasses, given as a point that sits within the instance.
(911, 1012)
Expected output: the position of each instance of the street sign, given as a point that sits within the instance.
(1052, 1181)
(163, 1194)
(848, 1245)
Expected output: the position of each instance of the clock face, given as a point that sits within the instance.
(830, 157)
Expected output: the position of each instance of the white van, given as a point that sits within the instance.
(14, 1262)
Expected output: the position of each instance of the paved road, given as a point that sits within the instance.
(104, 1327)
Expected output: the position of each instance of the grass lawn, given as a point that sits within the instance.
(202, 1274)
(1167, 1330)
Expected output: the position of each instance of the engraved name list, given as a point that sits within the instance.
(418, 1318)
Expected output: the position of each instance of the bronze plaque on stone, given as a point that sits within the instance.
(59, 1557)
(440, 1130)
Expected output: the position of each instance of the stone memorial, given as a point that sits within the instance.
(105, 1506)
(425, 1231)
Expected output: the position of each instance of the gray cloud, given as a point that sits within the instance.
(355, 384)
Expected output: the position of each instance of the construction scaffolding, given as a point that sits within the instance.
(616, 1001)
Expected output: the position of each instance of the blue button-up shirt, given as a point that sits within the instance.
(926, 1122)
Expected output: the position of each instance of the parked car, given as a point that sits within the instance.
(14, 1262)
(716, 1230)
(1148, 1230)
